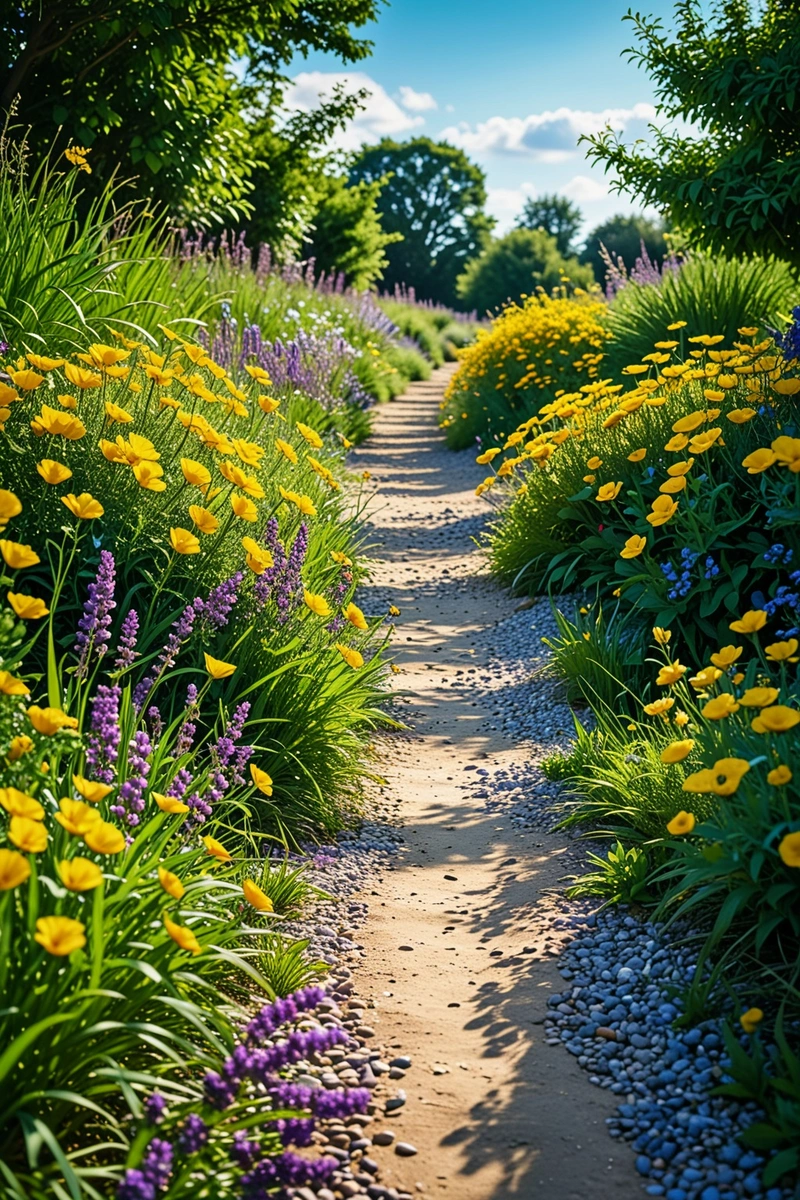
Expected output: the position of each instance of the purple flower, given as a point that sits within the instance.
(145, 1182)
(215, 612)
(265, 582)
(194, 1135)
(126, 647)
(244, 1152)
(103, 742)
(294, 1131)
(185, 739)
(154, 1109)
(181, 631)
(155, 722)
(94, 624)
(130, 800)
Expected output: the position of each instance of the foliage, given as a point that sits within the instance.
(593, 652)
(735, 77)
(622, 237)
(152, 91)
(531, 353)
(556, 215)
(709, 293)
(434, 197)
(346, 234)
(621, 877)
(512, 267)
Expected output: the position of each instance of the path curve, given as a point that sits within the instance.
(459, 947)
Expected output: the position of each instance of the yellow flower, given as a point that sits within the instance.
(318, 604)
(676, 325)
(782, 651)
(635, 369)
(82, 378)
(169, 804)
(662, 636)
(663, 510)
(42, 363)
(261, 779)
(115, 413)
(258, 557)
(216, 849)
(170, 883)
(780, 775)
(205, 521)
(593, 463)
(701, 442)
(286, 450)
(84, 507)
(106, 356)
(789, 849)
(784, 387)
(720, 707)
(90, 790)
(53, 472)
(750, 622)
(182, 935)
(80, 874)
(751, 1019)
(350, 656)
(488, 455)
(17, 556)
(670, 486)
(14, 870)
(104, 838)
(27, 835)
(689, 422)
(250, 453)
(244, 508)
(310, 435)
(670, 673)
(218, 669)
(304, 503)
(26, 380)
(183, 542)
(778, 718)
(681, 718)
(759, 697)
(682, 822)
(259, 374)
(28, 608)
(11, 686)
(9, 506)
(195, 473)
(759, 461)
(148, 475)
(69, 402)
(740, 416)
(720, 780)
(20, 804)
(267, 404)
(49, 720)
(787, 449)
(76, 817)
(355, 616)
(60, 935)
(18, 746)
(248, 483)
(677, 751)
(254, 895)
(726, 657)
(609, 491)
(637, 455)
(657, 708)
(394, 611)
(679, 442)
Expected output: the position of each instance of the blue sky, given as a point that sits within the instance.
(514, 84)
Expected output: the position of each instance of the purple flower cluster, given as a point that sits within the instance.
(231, 759)
(270, 1018)
(130, 800)
(126, 647)
(265, 582)
(282, 582)
(188, 729)
(337, 1104)
(102, 747)
(193, 1136)
(337, 594)
(294, 1131)
(214, 613)
(289, 1169)
(199, 807)
(145, 1182)
(181, 631)
(95, 622)
(154, 1109)
(789, 342)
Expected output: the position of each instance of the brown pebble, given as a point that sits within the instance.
(603, 1031)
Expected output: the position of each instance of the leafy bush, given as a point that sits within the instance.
(531, 354)
(622, 237)
(512, 267)
(621, 877)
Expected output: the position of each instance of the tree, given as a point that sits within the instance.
(147, 85)
(434, 197)
(514, 266)
(622, 237)
(556, 215)
(736, 77)
(346, 233)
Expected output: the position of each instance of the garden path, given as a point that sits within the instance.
(461, 940)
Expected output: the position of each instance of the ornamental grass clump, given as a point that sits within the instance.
(531, 354)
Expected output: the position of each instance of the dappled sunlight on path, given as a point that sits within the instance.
(462, 936)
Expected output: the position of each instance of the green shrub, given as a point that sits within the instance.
(513, 267)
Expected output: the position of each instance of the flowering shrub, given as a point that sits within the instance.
(531, 354)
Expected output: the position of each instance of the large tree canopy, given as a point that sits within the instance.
(515, 266)
(149, 85)
(556, 215)
(434, 197)
(735, 75)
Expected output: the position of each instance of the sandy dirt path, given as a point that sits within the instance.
(460, 943)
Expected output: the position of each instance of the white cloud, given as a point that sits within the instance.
(505, 204)
(550, 136)
(381, 117)
(416, 101)
(585, 190)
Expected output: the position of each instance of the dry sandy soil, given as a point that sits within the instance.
(460, 943)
